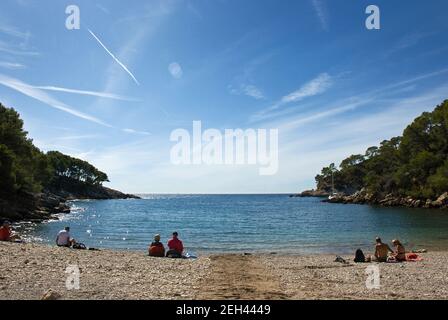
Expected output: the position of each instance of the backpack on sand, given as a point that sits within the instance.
(80, 246)
(359, 256)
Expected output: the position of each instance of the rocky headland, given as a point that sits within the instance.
(311, 193)
(390, 200)
(38, 207)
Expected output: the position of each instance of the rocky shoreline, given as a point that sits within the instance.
(390, 200)
(311, 193)
(43, 206)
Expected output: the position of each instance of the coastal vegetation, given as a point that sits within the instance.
(413, 166)
(34, 184)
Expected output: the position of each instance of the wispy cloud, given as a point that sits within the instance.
(11, 65)
(42, 96)
(318, 85)
(145, 133)
(314, 87)
(113, 57)
(18, 40)
(341, 106)
(85, 92)
(337, 107)
(391, 118)
(38, 93)
(248, 90)
(16, 50)
(253, 91)
(14, 32)
(103, 9)
(321, 13)
(416, 79)
(411, 40)
(243, 83)
(79, 137)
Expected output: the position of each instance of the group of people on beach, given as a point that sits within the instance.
(156, 249)
(383, 253)
(175, 247)
(64, 239)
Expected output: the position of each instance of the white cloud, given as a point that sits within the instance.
(316, 86)
(248, 90)
(253, 91)
(288, 122)
(14, 32)
(18, 40)
(175, 70)
(321, 13)
(79, 137)
(127, 130)
(18, 50)
(11, 65)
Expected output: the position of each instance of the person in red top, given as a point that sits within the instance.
(156, 248)
(175, 247)
(6, 233)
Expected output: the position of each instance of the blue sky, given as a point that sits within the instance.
(309, 68)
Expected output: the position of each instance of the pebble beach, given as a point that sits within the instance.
(34, 272)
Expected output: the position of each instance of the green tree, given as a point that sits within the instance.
(66, 168)
(414, 164)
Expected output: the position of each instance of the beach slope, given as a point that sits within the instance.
(29, 271)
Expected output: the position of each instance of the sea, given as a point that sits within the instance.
(258, 223)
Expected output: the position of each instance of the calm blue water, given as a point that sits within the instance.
(249, 223)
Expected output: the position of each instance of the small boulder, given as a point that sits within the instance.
(51, 295)
(443, 199)
(436, 204)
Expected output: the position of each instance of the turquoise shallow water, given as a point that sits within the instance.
(249, 223)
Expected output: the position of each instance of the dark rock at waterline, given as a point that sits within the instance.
(390, 200)
(82, 191)
(38, 207)
(311, 193)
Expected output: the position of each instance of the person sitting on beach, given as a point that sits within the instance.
(156, 249)
(381, 250)
(175, 247)
(64, 239)
(6, 232)
(400, 253)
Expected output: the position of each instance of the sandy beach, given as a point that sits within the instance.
(31, 271)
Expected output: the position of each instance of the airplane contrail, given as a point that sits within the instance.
(88, 93)
(42, 96)
(115, 58)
